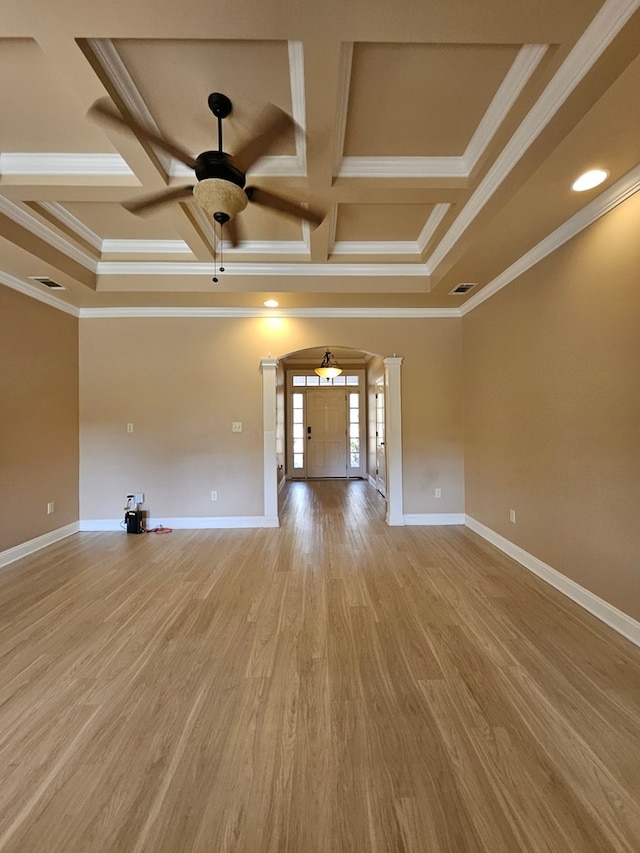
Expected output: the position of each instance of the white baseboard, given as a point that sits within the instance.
(182, 523)
(607, 613)
(33, 545)
(433, 518)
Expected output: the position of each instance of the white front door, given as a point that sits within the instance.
(326, 432)
(381, 452)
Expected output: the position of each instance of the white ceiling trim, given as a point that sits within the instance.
(297, 269)
(403, 167)
(298, 103)
(517, 77)
(389, 247)
(267, 247)
(72, 222)
(435, 218)
(20, 216)
(43, 163)
(146, 247)
(342, 102)
(228, 313)
(112, 64)
(595, 39)
(35, 293)
(605, 202)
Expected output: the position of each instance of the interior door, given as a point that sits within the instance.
(381, 453)
(326, 432)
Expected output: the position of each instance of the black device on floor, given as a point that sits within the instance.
(133, 518)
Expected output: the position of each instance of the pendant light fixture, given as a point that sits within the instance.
(329, 367)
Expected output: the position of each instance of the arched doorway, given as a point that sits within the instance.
(393, 448)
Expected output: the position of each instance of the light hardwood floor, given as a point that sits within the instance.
(332, 685)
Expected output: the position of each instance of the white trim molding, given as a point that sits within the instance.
(431, 519)
(33, 545)
(607, 613)
(270, 453)
(393, 431)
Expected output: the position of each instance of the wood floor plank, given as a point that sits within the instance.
(334, 685)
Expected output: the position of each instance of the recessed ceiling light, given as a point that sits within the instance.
(270, 303)
(589, 180)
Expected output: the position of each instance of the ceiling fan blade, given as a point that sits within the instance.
(148, 202)
(283, 205)
(272, 124)
(103, 111)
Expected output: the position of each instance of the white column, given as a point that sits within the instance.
(393, 430)
(268, 367)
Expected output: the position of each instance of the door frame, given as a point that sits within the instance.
(393, 409)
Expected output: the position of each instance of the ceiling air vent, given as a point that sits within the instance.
(465, 287)
(48, 282)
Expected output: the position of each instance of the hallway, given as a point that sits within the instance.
(331, 685)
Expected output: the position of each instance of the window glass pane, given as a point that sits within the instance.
(297, 460)
(313, 380)
(298, 446)
(355, 460)
(297, 416)
(299, 380)
(354, 430)
(354, 401)
(354, 416)
(297, 401)
(339, 380)
(297, 431)
(353, 380)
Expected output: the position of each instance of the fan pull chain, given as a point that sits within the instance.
(215, 254)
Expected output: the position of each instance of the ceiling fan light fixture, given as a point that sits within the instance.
(329, 368)
(217, 195)
(589, 180)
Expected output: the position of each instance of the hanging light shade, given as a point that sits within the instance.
(216, 195)
(329, 367)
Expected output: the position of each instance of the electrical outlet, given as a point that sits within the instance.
(51, 507)
(512, 516)
(236, 426)
(214, 496)
(438, 493)
(129, 427)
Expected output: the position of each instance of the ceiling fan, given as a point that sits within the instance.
(220, 189)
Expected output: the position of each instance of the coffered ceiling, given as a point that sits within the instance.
(439, 138)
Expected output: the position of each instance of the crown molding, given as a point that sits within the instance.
(35, 293)
(402, 167)
(587, 50)
(22, 217)
(73, 223)
(267, 247)
(435, 218)
(68, 165)
(230, 313)
(381, 247)
(259, 269)
(111, 63)
(146, 247)
(523, 66)
(599, 207)
(342, 103)
(298, 103)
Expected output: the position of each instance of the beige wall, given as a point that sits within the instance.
(552, 409)
(181, 382)
(38, 418)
